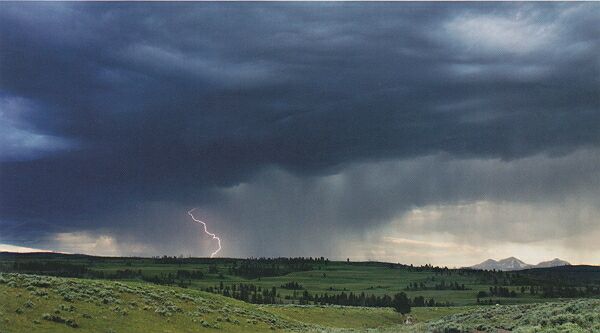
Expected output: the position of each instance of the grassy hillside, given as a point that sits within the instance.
(573, 316)
(30, 303)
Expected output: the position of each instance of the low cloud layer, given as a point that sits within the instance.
(298, 127)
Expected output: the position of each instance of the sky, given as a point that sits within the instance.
(442, 133)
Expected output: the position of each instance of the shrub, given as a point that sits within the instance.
(68, 308)
(53, 317)
(39, 293)
(71, 322)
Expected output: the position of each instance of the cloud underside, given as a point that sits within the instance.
(419, 132)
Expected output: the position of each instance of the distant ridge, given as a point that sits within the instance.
(515, 264)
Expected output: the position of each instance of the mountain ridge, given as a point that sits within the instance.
(515, 264)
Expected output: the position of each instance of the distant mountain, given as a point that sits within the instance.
(489, 264)
(508, 264)
(552, 263)
(514, 264)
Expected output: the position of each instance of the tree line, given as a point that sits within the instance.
(438, 286)
(251, 293)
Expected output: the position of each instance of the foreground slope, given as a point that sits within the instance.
(580, 315)
(48, 304)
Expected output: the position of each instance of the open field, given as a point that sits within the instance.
(456, 287)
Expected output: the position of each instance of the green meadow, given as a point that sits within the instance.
(331, 277)
(31, 303)
(64, 293)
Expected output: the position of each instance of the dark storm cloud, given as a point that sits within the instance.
(368, 195)
(133, 103)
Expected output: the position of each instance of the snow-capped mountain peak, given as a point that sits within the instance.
(513, 264)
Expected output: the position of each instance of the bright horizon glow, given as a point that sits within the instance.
(20, 249)
(23, 249)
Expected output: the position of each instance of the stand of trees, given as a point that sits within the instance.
(502, 292)
(247, 292)
(569, 292)
(266, 267)
(401, 303)
(54, 268)
(250, 293)
(438, 286)
(292, 286)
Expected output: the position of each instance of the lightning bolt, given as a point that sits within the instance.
(206, 231)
